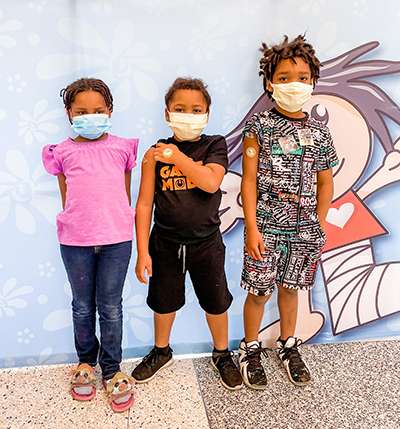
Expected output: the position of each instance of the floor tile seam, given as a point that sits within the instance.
(201, 393)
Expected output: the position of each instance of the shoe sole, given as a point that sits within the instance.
(146, 380)
(255, 386)
(238, 387)
(296, 383)
(252, 386)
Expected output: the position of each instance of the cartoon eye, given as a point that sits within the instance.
(320, 113)
(86, 375)
(117, 384)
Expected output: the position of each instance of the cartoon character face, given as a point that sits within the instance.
(351, 137)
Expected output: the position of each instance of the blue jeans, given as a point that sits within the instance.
(97, 276)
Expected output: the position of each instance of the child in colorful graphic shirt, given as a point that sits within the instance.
(284, 150)
(181, 177)
(95, 230)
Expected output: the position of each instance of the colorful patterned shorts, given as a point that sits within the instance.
(288, 261)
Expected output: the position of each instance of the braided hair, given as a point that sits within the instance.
(298, 47)
(68, 94)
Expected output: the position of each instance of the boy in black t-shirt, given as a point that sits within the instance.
(181, 176)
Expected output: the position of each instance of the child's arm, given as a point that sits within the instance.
(63, 188)
(324, 194)
(206, 177)
(254, 241)
(144, 210)
(128, 175)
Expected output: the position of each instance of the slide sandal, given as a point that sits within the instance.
(83, 382)
(119, 387)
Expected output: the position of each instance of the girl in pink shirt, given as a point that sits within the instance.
(95, 230)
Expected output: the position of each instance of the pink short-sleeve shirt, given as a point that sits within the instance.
(97, 210)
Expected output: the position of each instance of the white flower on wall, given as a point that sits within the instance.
(135, 307)
(46, 359)
(205, 41)
(9, 297)
(118, 64)
(106, 5)
(5, 40)
(37, 124)
(22, 193)
(233, 115)
(307, 6)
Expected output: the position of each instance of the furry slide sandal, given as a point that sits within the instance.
(83, 382)
(120, 392)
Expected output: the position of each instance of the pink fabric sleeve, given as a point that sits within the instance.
(132, 146)
(51, 160)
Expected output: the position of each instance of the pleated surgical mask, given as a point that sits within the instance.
(92, 126)
(187, 126)
(291, 96)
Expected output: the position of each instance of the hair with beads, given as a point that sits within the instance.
(297, 48)
(188, 83)
(68, 94)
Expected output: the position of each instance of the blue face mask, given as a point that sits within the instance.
(91, 127)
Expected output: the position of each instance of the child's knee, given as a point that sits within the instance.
(256, 299)
(287, 291)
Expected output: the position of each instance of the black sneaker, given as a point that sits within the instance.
(250, 364)
(229, 375)
(297, 369)
(150, 365)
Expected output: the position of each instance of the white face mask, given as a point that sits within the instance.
(291, 96)
(187, 126)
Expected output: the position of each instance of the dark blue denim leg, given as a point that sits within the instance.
(112, 266)
(80, 264)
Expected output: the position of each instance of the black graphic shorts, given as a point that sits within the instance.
(288, 261)
(205, 263)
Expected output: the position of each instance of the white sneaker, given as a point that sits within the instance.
(250, 364)
(297, 370)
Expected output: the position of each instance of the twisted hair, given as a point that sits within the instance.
(68, 94)
(298, 47)
(187, 83)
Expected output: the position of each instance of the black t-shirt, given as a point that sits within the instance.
(184, 213)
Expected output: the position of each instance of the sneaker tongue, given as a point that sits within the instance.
(253, 345)
(290, 342)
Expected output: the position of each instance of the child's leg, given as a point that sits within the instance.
(218, 324)
(166, 295)
(253, 312)
(112, 265)
(80, 264)
(297, 370)
(162, 328)
(250, 350)
(287, 304)
(160, 355)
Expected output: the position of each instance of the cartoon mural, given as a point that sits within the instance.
(137, 49)
(358, 289)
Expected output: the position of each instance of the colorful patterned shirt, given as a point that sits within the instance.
(291, 153)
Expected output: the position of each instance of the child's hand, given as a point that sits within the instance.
(255, 245)
(166, 153)
(143, 263)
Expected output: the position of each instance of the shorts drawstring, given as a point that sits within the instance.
(182, 251)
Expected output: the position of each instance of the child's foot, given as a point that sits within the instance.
(151, 365)
(250, 364)
(229, 375)
(83, 382)
(120, 391)
(297, 369)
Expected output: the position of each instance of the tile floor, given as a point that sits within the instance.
(355, 386)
